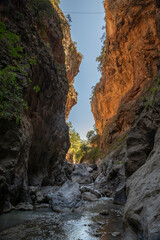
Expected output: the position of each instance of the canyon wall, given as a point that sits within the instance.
(128, 65)
(126, 108)
(41, 61)
(141, 215)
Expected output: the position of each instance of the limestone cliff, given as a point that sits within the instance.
(128, 65)
(36, 55)
(72, 61)
(126, 108)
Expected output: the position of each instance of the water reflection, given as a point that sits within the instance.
(84, 224)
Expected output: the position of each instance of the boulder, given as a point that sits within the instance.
(39, 197)
(91, 190)
(93, 166)
(67, 197)
(81, 174)
(88, 196)
(3, 191)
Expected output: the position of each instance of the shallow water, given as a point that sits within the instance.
(83, 224)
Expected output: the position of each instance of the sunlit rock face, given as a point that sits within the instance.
(129, 65)
(33, 152)
(72, 62)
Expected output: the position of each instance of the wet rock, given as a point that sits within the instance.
(88, 196)
(42, 194)
(89, 169)
(39, 197)
(120, 194)
(116, 234)
(33, 190)
(67, 197)
(98, 234)
(106, 192)
(42, 205)
(4, 192)
(93, 166)
(7, 207)
(24, 207)
(81, 174)
(48, 192)
(91, 190)
(104, 213)
(100, 179)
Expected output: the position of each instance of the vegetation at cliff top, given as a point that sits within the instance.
(83, 150)
(149, 97)
(43, 6)
(100, 59)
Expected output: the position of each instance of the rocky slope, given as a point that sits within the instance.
(128, 65)
(33, 148)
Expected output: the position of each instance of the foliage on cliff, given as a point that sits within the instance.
(13, 75)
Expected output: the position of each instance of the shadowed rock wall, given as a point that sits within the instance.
(33, 151)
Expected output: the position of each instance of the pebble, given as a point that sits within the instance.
(116, 234)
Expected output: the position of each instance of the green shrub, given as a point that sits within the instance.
(36, 88)
(93, 154)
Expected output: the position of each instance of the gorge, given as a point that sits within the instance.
(38, 63)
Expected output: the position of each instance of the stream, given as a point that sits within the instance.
(84, 223)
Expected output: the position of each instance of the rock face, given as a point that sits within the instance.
(141, 138)
(142, 207)
(141, 217)
(33, 152)
(128, 65)
(111, 177)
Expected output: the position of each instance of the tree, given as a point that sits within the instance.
(90, 134)
(83, 150)
(68, 16)
(76, 143)
(56, 1)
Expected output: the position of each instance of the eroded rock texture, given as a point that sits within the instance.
(129, 64)
(141, 216)
(126, 100)
(142, 207)
(33, 152)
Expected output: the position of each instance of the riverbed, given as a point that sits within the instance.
(85, 223)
